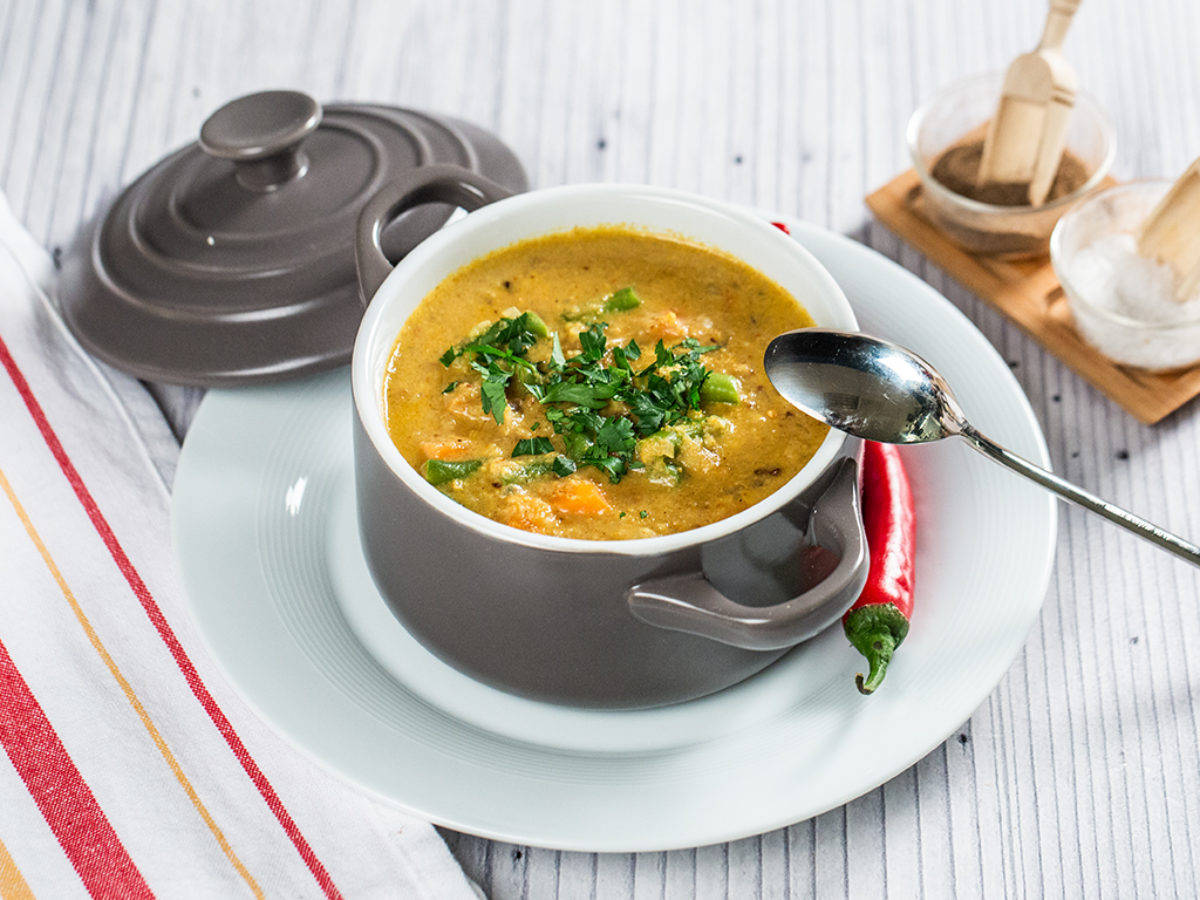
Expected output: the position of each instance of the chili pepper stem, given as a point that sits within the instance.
(875, 631)
(878, 651)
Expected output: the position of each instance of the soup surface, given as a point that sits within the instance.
(600, 383)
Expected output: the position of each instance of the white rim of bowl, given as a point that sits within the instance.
(362, 378)
(913, 128)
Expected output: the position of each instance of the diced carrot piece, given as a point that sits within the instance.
(530, 514)
(579, 497)
(667, 325)
(453, 448)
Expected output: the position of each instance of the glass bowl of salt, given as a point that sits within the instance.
(1124, 304)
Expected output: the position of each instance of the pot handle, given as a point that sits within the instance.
(690, 603)
(426, 184)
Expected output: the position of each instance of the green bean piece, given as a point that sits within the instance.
(439, 471)
(663, 471)
(536, 324)
(528, 472)
(719, 388)
(621, 301)
(663, 444)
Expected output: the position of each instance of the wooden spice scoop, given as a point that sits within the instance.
(1026, 136)
(1171, 233)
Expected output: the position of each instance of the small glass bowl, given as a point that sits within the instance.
(1004, 232)
(1155, 346)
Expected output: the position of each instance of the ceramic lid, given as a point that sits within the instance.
(231, 261)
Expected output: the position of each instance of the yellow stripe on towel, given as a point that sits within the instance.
(12, 884)
(155, 735)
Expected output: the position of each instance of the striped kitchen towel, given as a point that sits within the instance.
(130, 767)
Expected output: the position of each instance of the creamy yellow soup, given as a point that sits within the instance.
(601, 383)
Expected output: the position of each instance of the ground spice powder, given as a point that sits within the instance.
(958, 167)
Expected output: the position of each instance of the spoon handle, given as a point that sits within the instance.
(1068, 491)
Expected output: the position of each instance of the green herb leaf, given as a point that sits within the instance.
(492, 393)
(650, 414)
(621, 359)
(488, 350)
(616, 435)
(593, 396)
(451, 386)
(592, 342)
(533, 447)
(563, 466)
(514, 335)
(695, 348)
(612, 466)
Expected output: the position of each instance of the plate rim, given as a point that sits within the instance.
(798, 229)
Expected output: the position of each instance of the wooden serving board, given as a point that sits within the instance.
(1028, 292)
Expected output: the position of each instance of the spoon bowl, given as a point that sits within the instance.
(862, 385)
(880, 391)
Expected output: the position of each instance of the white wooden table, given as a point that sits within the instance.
(1081, 774)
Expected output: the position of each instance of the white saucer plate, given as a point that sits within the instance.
(264, 526)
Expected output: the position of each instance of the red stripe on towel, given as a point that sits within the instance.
(65, 800)
(160, 623)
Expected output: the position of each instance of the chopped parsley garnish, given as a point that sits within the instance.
(533, 447)
(593, 396)
(506, 339)
(493, 390)
(497, 354)
(592, 342)
(563, 466)
(575, 390)
(597, 402)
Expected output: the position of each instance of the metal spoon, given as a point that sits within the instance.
(879, 391)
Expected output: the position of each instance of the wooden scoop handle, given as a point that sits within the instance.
(1058, 20)
(1171, 233)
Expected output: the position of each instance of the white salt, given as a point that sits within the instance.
(1112, 275)
(1124, 303)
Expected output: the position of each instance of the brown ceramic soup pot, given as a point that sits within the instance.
(632, 623)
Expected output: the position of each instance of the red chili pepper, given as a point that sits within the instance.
(782, 226)
(878, 621)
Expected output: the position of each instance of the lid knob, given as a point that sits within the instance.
(261, 134)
